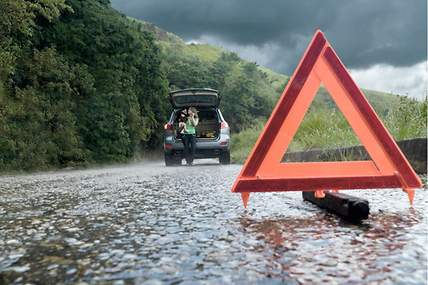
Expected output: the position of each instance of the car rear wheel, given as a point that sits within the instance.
(225, 158)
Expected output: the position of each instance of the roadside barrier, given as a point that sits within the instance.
(414, 149)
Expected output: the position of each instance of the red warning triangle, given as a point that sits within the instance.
(263, 170)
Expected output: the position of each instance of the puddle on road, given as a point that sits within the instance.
(156, 225)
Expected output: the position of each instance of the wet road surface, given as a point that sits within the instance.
(148, 224)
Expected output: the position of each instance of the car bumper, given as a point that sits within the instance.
(203, 148)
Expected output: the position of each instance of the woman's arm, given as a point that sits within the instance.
(181, 126)
(194, 121)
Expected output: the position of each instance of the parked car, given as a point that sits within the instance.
(212, 132)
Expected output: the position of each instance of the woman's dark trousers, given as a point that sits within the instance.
(189, 142)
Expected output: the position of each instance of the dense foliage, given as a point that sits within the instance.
(246, 92)
(79, 83)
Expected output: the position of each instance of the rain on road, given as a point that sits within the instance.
(148, 224)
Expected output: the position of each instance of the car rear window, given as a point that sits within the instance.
(192, 99)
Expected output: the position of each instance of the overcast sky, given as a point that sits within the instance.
(382, 42)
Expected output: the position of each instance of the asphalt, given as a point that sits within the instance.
(148, 224)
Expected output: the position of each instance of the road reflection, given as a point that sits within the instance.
(325, 248)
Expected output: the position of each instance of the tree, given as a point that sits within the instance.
(79, 83)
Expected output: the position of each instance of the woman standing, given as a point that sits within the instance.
(189, 134)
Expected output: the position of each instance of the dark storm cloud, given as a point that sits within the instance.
(363, 32)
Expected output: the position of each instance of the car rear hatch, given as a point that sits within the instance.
(196, 97)
(208, 127)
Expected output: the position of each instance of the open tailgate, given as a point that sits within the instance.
(197, 97)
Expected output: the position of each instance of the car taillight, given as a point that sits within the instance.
(224, 125)
(168, 126)
(167, 146)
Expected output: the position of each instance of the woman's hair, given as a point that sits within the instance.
(194, 111)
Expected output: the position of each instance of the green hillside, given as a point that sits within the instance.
(323, 126)
(81, 83)
(248, 91)
(208, 54)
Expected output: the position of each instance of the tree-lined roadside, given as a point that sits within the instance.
(79, 84)
(82, 84)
